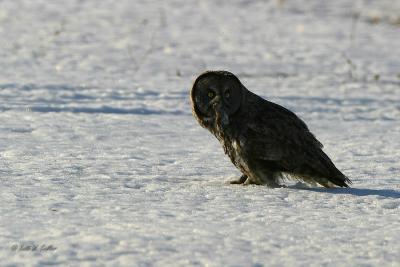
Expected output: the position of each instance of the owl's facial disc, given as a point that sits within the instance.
(217, 93)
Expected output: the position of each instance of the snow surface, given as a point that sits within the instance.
(102, 163)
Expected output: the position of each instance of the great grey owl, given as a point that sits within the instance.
(265, 141)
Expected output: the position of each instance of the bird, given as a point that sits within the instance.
(265, 141)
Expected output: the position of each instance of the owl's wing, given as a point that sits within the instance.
(281, 139)
(275, 133)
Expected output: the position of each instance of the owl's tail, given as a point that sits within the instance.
(339, 179)
(329, 175)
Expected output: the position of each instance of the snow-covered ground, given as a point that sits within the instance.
(102, 163)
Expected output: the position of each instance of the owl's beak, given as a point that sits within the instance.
(216, 104)
(216, 101)
(220, 111)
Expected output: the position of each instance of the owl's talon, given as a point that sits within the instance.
(241, 180)
(251, 181)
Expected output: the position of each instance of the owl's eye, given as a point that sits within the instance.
(227, 94)
(210, 94)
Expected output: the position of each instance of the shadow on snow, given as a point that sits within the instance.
(107, 110)
(389, 193)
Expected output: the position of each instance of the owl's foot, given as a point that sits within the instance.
(269, 183)
(241, 180)
(252, 181)
(245, 180)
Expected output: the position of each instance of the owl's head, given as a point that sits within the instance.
(216, 94)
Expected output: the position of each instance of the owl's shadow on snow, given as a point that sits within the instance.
(360, 192)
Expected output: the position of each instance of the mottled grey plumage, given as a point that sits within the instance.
(265, 141)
